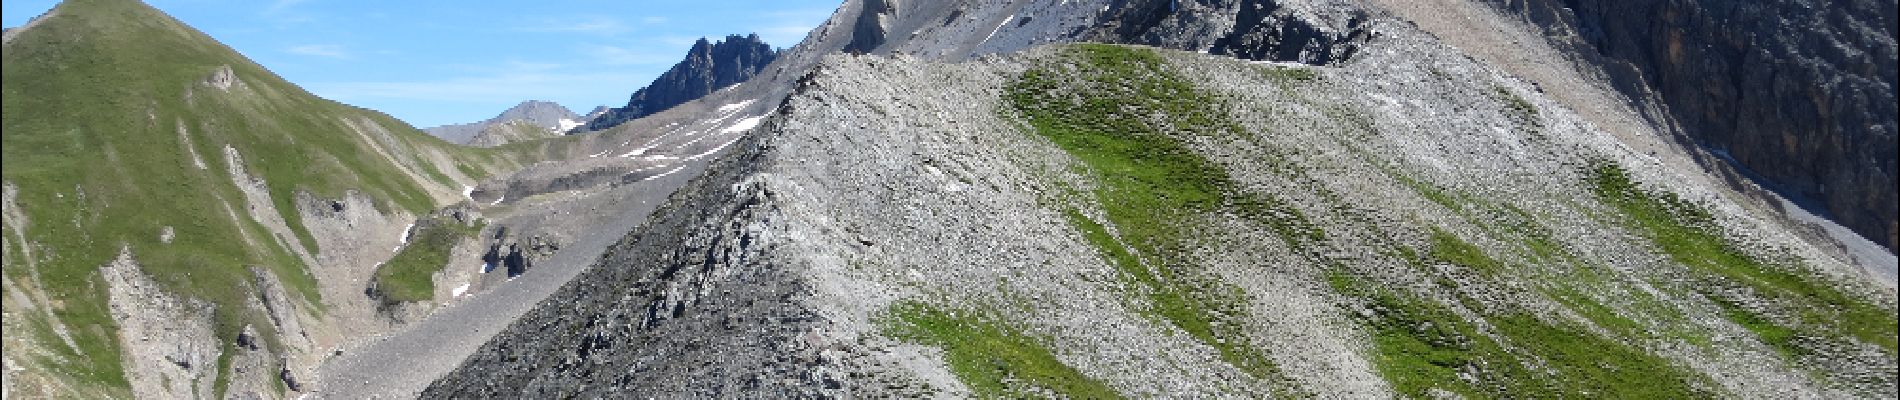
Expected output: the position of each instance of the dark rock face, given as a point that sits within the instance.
(1801, 92)
(867, 34)
(1264, 31)
(708, 67)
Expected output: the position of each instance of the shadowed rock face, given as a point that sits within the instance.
(1263, 30)
(867, 34)
(708, 67)
(1800, 92)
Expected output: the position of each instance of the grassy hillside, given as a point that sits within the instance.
(113, 132)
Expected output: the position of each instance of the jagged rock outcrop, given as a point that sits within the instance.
(1801, 92)
(873, 22)
(532, 119)
(1266, 31)
(708, 67)
(170, 348)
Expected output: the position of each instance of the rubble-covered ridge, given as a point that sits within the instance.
(1097, 221)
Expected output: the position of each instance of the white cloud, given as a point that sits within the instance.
(321, 50)
(615, 55)
(788, 27)
(280, 5)
(592, 24)
(680, 41)
(519, 85)
(784, 35)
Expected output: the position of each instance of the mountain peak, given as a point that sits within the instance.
(708, 67)
(549, 118)
(538, 111)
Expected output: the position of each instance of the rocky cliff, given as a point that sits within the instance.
(1800, 92)
(708, 67)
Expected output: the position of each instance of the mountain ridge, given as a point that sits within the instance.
(1402, 219)
(531, 119)
(1255, 198)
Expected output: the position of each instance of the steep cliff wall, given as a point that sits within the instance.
(1801, 92)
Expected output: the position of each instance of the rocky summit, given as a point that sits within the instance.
(989, 199)
(708, 67)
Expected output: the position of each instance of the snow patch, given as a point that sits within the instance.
(743, 125)
(458, 291)
(722, 146)
(735, 106)
(670, 172)
(999, 28)
(407, 231)
(566, 124)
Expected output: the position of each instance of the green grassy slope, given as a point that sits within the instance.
(94, 101)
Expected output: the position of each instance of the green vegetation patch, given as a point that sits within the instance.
(1519, 109)
(1123, 115)
(994, 359)
(1688, 234)
(1198, 307)
(1449, 248)
(410, 275)
(1422, 345)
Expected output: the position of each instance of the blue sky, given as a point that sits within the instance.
(435, 62)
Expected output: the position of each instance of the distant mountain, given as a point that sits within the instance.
(708, 67)
(529, 120)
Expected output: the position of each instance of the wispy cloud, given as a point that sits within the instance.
(680, 41)
(520, 85)
(592, 24)
(616, 55)
(321, 50)
(286, 15)
(280, 5)
(788, 27)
